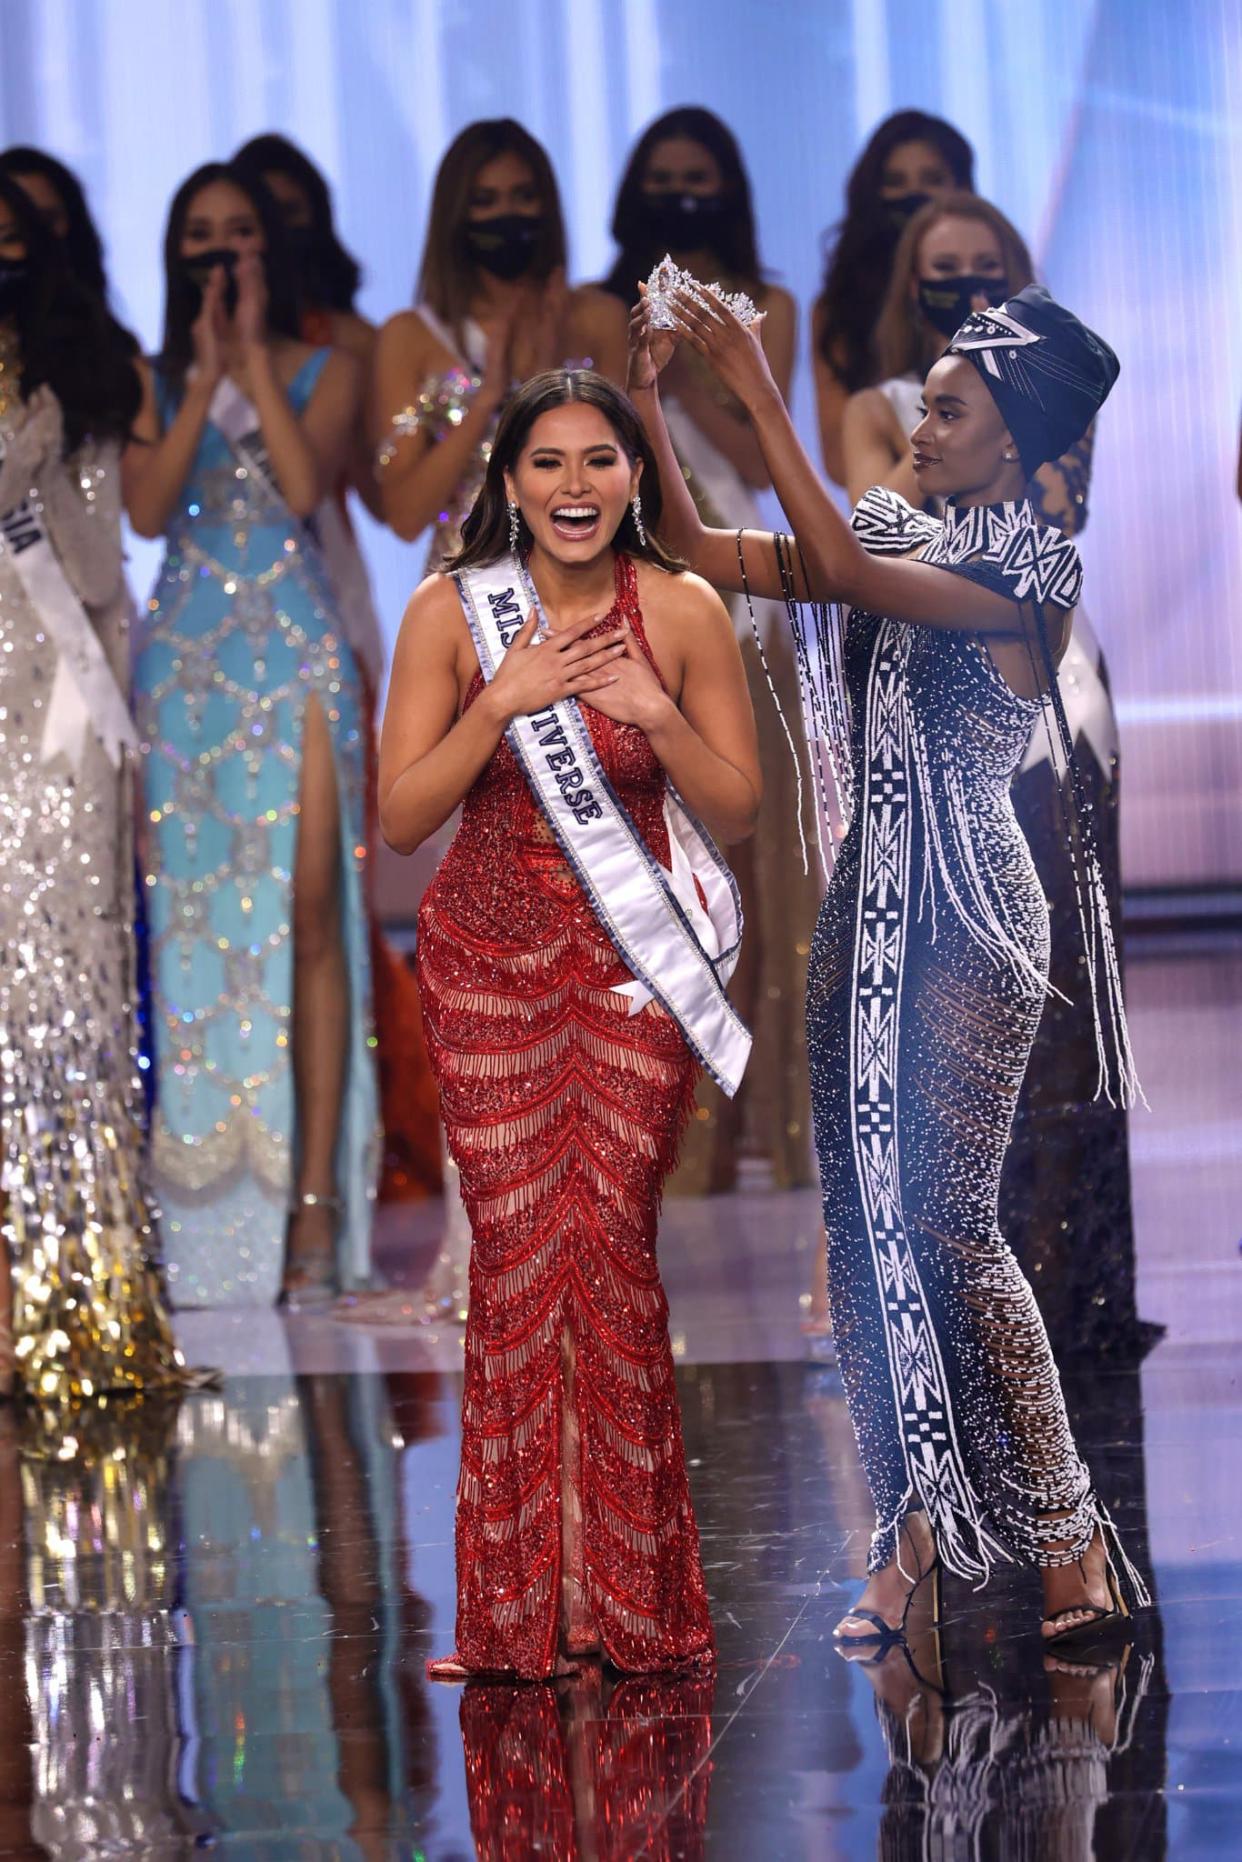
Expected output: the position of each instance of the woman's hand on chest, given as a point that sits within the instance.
(632, 693)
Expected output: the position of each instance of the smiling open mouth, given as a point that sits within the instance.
(576, 521)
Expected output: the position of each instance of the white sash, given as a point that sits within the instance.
(85, 695)
(679, 954)
(234, 415)
(351, 585)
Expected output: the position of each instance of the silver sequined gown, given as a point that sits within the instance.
(926, 986)
(88, 1306)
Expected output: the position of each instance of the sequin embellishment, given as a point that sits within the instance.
(564, 1115)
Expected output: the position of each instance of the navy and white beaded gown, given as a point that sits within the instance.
(927, 980)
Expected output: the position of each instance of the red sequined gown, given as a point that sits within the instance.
(563, 1113)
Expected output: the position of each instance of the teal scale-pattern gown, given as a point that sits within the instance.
(240, 633)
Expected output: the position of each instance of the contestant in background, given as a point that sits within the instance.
(82, 1307)
(565, 1082)
(326, 279)
(62, 205)
(1065, 1206)
(254, 716)
(930, 964)
(685, 192)
(911, 159)
(493, 309)
(61, 202)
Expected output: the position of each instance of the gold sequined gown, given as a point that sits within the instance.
(88, 1306)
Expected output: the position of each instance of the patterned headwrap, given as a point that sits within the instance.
(1047, 372)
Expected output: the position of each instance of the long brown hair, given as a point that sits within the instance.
(485, 533)
(182, 296)
(631, 216)
(899, 335)
(66, 338)
(860, 249)
(448, 280)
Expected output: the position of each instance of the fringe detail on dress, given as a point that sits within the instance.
(1139, 1593)
(977, 913)
(780, 710)
(1118, 1080)
(819, 652)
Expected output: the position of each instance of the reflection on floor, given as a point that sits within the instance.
(214, 1619)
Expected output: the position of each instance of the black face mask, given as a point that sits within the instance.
(902, 209)
(505, 245)
(14, 277)
(946, 302)
(688, 222)
(199, 268)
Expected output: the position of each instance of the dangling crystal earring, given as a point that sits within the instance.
(515, 526)
(636, 505)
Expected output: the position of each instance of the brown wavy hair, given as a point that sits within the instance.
(860, 249)
(448, 280)
(900, 337)
(485, 533)
(739, 252)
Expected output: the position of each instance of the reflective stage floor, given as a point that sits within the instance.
(215, 1620)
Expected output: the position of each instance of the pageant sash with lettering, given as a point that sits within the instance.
(85, 696)
(234, 414)
(680, 951)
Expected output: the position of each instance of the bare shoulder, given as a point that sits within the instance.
(343, 367)
(778, 304)
(434, 636)
(434, 610)
(290, 354)
(593, 308)
(355, 334)
(869, 410)
(682, 605)
(592, 300)
(410, 339)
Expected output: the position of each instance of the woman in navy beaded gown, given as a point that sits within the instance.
(930, 962)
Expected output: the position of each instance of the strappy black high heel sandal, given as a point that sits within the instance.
(882, 1635)
(1111, 1622)
(1103, 1624)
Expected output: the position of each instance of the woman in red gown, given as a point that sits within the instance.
(563, 1106)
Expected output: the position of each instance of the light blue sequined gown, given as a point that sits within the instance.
(240, 632)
